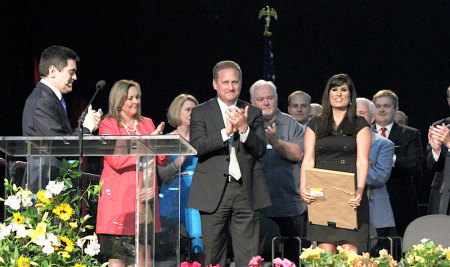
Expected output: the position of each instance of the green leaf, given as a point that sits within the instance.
(75, 164)
(68, 183)
(66, 163)
(62, 171)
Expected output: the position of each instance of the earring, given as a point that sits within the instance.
(120, 109)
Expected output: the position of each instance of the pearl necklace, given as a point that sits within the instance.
(131, 130)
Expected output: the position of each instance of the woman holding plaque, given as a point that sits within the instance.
(339, 140)
(117, 204)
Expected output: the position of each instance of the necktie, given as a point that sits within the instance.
(233, 168)
(383, 131)
(63, 103)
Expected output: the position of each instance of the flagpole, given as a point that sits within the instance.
(269, 69)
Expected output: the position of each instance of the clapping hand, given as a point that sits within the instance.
(159, 130)
(237, 117)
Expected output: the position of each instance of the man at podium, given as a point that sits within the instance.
(45, 111)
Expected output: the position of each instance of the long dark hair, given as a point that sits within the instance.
(325, 123)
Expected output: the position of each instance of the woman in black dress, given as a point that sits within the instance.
(339, 140)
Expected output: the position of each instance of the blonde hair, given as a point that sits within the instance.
(388, 93)
(173, 114)
(117, 97)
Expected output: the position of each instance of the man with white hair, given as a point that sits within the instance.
(380, 166)
(281, 165)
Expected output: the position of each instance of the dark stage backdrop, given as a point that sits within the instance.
(170, 47)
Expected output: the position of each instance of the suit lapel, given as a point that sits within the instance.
(216, 114)
(395, 133)
(58, 104)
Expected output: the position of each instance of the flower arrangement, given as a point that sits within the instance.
(427, 254)
(318, 257)
(46, 229)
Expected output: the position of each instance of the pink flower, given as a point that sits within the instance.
(214, 265)
(255, 261)
(287, 263)
(185, 264)
(196, 264)
(277, 262)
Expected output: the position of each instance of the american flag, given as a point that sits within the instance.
(269, 72)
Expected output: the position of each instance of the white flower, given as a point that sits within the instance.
(27, 202)
(48, 249)
(425, 240)
(55, 187)
(53, 239)
(80, 242)
(93, 248)
(13, 202)
(41, 241)
(6, 230)
(48, 195)
(21, 230)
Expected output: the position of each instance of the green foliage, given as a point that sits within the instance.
(46, 229)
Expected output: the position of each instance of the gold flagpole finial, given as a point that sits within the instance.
(267, 12)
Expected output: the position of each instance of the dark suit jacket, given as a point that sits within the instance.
(44, 115)
(211, 173)
(409, 156)
(400, 186)
(437, 186)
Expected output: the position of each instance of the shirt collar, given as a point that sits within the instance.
(388, 128)
(223, 106)
(56, 91)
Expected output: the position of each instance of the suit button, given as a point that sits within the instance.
(323, 161)
(225, 175)
(228, 159)
(342, 161)
(345, 148)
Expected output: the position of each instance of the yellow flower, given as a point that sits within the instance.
(447, 253)
(73, 225)
(41, 197)
(64, 211)
(419, 259)
(21, 262)
(79, 265)
(18, 218)
(65, 254)
(66, 245)
(40, 230)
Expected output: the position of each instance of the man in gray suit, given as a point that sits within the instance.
(438, 159)
(228, 187)
(380, 166)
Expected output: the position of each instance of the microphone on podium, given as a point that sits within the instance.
(99, 86)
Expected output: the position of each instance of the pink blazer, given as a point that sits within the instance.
(117, 206)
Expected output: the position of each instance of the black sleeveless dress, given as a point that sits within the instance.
(338, 153)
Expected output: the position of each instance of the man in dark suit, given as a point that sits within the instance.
(407, 159)
(229, 186)
(438, 160)
(45, 112)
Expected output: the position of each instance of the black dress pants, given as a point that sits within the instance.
(236, 217)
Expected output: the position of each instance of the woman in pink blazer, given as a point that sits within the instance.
(117, 205)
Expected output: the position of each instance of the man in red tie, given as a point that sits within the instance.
(407, 158)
